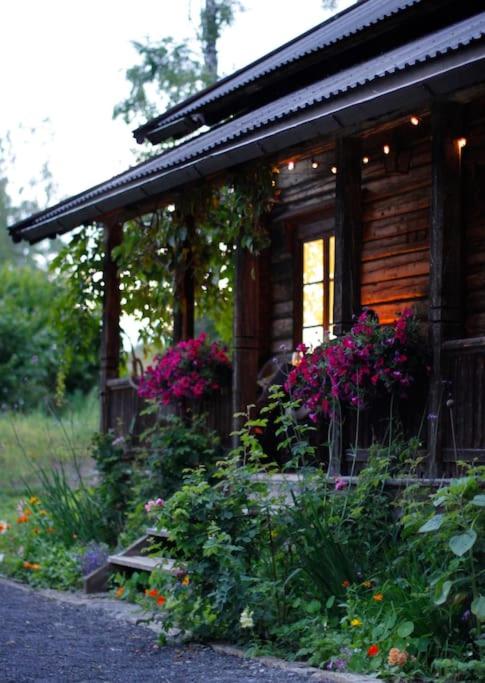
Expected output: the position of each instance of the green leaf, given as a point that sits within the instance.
(478, 500)
(439, 501)
(432, 524)
(330, 602)
(461, 543)
(478, 607)
(441, 592)
(405, 629)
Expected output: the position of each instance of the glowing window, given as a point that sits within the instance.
(318, 289)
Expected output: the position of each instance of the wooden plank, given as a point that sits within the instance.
(401, 289)
(110, 333)
(250, 288)
(348, 232)
(184, 288)
(446, 277)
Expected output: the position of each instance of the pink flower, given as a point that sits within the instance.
(340, 484)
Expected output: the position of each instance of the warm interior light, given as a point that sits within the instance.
(414, 121)
(365, 160)
(461, 143)
(273, 183)
(334, 170)
(386, 149)
(314, 163)
(291, 165)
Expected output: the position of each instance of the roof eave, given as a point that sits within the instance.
(399, 92)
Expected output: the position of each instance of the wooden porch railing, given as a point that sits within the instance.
(125, 408)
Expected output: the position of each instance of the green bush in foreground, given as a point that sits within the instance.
(350, 578)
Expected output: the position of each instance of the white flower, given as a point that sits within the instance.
(246, 619)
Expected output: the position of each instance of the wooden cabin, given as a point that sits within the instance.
(375, 120)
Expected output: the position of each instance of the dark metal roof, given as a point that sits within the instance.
(303, 114)
(347, 23)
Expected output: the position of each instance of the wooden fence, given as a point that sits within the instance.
(125, 410)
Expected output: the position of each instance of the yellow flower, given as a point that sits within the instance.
(355, 623)
(378, 597)
(186, 580)
(367, 584)
(33, 500)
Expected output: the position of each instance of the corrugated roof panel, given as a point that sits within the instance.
(356, 18)
(401, 59)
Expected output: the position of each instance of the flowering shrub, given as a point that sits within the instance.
(191, 369)
(369, 359)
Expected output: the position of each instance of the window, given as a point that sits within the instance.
(317, 293)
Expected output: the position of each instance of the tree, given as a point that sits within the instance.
(173, 68)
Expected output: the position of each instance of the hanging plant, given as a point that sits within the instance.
(351, 370)
(192, 369)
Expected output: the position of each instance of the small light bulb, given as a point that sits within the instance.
(461, 143)
(291, 165)
(386, 149)
(414, 121)
(334, 170)
(365, 160)
(314, 164)
(273, 183)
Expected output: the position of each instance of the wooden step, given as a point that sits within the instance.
(143, 562)
(131, 558)
(158, 533)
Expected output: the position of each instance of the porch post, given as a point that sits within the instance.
(348, 238)
(446, 271)
(348, 232)
(246, 341)
(110, 333)
(184, 286)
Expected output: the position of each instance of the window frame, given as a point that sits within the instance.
(313, 229)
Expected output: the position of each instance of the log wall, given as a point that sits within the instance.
(396, 196)
(474, 209)
(396, 219)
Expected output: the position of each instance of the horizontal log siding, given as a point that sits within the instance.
(395, 247)
(474, 210)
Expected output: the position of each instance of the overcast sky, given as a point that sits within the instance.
(64, 61)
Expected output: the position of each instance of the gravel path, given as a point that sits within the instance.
(45, 640)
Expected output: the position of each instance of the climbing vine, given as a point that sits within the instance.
(200, 229)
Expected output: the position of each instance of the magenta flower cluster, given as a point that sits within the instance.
(351, 369)
(191, 369)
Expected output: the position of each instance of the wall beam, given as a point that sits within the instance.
(348, 232)
(110, 331)
(446, 316)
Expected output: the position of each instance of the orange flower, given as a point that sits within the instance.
(153, 593)
(378, 597)
(345, 584)
(3, 527)
(160, 600)
(31, 565)
(119, 591)
(373, 650)
(22, 519)
(186, 580)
